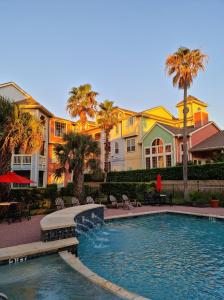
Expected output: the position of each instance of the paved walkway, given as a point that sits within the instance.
(29, 231)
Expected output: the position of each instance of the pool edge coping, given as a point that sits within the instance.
(76, 264)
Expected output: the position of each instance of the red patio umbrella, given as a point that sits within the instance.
(158, 183)
(12, 177)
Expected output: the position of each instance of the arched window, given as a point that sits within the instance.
(159, 155)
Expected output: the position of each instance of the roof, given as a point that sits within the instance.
(150, 111)
(11, 83)
(176, 130)
(214, 142)
(128, 111)
(192, 99)
(34, 104)
(28, 100)
(63, 119)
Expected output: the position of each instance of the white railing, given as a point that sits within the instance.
(22, 160)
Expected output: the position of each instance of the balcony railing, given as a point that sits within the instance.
(22, 160)
(130, 130)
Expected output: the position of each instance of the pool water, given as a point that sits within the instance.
(48, 278)
(162, 257)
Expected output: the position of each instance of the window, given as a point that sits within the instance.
(168, 161)
(160, 162)
(147, 151)
(117, 129)
(131, 121)
(147, 162)
(42, 152)
(159, 155)
(116, 148)
(154, 162)
(168, 148)
(60, 129)
(131, 145)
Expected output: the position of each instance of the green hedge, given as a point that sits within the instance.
(95, 177)
(195, 172)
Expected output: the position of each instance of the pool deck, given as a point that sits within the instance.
(29, 231)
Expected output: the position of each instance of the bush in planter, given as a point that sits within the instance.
(198, 199)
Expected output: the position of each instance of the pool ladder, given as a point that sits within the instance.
(212, 219)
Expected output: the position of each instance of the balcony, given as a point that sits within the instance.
(130, 130)
(22, 161)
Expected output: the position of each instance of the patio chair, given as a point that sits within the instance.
(126, 202)
(89, 200)
(59, 203)
(14, 213)
(75, 201)
(134, 203)
(114, 203)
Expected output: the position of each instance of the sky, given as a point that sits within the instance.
(119, 47)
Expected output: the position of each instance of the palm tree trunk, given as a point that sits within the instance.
(106, 155)
(5, 166)
(78, 180)
(185, 148)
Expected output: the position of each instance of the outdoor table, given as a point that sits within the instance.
(6, 204)
(163, 198)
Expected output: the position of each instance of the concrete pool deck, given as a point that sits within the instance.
(30, 231)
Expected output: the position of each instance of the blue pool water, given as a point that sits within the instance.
(48, 278)
(162, 257)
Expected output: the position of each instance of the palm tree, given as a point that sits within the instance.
(107, 118)
(184, 66)
(82, 103)
(18, 129)
(77, 153)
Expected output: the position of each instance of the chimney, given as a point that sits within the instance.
(200, 119)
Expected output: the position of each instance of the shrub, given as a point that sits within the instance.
(91, 191)
(97, 176)
(195, 172)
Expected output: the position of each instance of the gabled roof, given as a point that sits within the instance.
(176, 130)
(11, 83)
(150, 111)
(31, 103)
(191, 99)
(28, 100)
(131, 112)
(214, 142)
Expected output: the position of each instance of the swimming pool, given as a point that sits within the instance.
(48, 278)
(162, 257)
